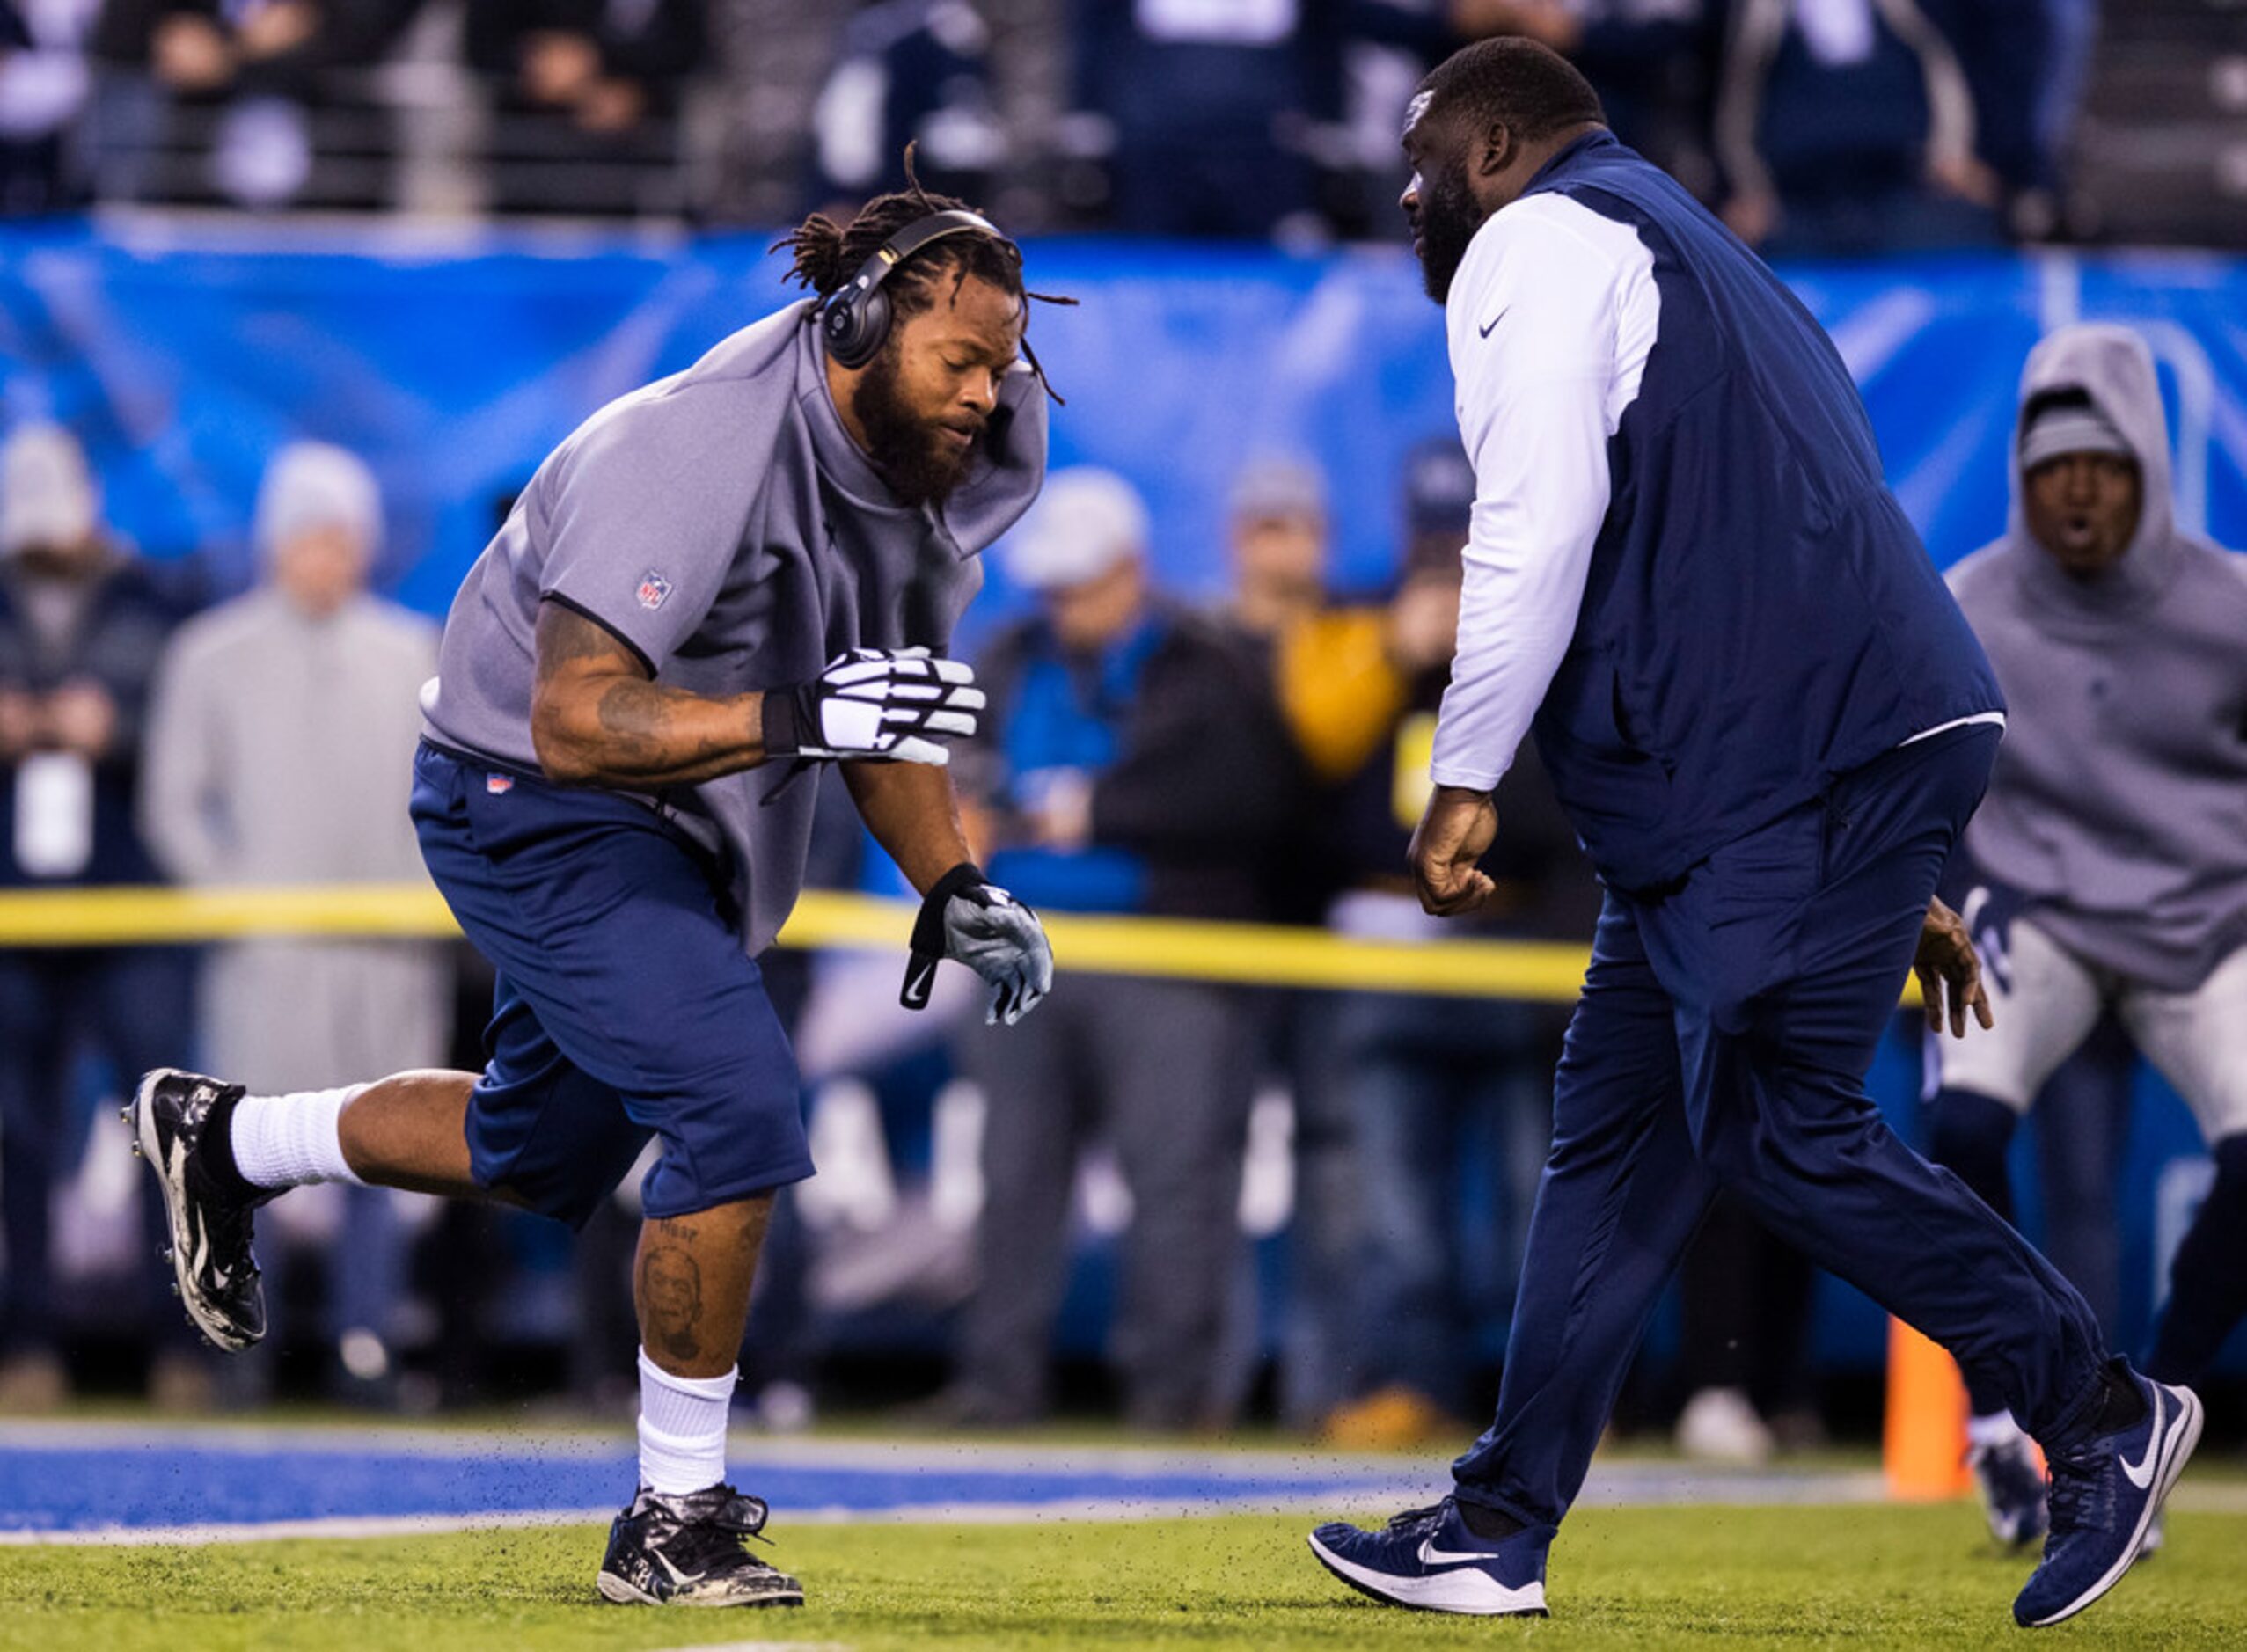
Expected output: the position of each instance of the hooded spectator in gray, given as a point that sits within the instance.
(2111, 849)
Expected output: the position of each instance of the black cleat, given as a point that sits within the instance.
(213, 1271)
(2012, 1491)
(686, 1551)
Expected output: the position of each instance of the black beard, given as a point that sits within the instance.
(908, 451)
(1447, 225)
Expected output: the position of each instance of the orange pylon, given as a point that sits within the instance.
(1924, 1449)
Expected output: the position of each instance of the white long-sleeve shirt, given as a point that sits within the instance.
(1550, 318)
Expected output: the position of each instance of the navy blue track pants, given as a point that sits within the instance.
(1722, 1040)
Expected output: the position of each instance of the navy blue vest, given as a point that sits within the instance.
(1759, 616)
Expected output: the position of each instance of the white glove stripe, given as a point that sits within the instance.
(911, 750)
(927, 717)
(886, 692)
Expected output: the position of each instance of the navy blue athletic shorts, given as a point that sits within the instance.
(625, 1006)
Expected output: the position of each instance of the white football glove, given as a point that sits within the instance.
(967, 918)
(875, 703)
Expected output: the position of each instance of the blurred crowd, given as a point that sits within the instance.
(150, 737)
(1817, 125)
(1228, 1200)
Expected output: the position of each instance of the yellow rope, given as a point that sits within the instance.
(1177, 948)
(1266, 954)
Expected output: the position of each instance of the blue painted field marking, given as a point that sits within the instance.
(69, 1482)
(76, 1482)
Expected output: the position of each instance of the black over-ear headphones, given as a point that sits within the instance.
(855, 318)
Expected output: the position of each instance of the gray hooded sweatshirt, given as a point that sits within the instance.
(2118, 805)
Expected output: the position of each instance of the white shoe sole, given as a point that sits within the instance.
(1464, 1589)
(2175, 1451)
(617, 1592)
(222, 1333)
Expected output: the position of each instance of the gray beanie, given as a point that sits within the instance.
(311, 484)
(47, 493)
(2071, 427)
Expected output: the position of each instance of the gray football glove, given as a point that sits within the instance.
(968, 919)
(874, 702)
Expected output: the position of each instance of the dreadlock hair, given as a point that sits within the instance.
(1528, 87)
(827, 254)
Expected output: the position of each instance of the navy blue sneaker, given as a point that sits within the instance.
(2012, 1490)
(1427, 1558)
(2106, 1494)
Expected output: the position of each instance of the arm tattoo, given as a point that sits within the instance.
(637, 722)
(647, 738)
(565, 637)
(598, 719)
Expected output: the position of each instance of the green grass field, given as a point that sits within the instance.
(1859, 1577)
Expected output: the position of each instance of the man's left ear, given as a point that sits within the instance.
(1496, 151)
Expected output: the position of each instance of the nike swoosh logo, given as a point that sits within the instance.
(678, 1576)
(1494, 321)
(2142, 1474)
(198, 1240)
(1431, 1555)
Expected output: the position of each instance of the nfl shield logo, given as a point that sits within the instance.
(653, 589)
(499, 785)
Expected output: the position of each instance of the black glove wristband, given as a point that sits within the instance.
(929, 939)
(785, 721)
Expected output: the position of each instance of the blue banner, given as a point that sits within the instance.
(184, 357)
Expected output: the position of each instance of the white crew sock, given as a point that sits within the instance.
(681, 1429)
(1997, 1429)
(287, 1141)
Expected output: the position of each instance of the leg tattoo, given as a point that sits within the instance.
(670, 1300)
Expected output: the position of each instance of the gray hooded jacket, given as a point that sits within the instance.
(2118, 805)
